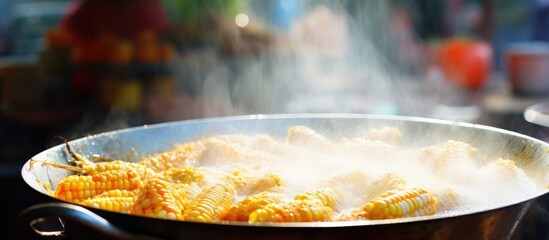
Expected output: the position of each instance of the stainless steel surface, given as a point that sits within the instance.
(498, 222)
(538, 114)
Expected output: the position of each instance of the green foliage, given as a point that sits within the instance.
(188, 10)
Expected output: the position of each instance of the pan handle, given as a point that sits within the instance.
(538, 114)
(80, 216)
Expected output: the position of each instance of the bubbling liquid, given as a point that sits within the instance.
(305, 160)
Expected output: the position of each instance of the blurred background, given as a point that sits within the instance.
(79, 67)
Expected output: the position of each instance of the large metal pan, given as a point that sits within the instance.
(498, 222)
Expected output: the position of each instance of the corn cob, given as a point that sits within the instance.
(459, 150)
(455, 154)
(349, 181)
(175, 158)
(217, 152)
(159, 199)
(269, 182)
(368, 148)
(306, 210)
(269, 144)
(242, 210)
(354, 177)
(390, 135)
(398, 204)
(327, 196)
(113, 200)
(506, 167)
(83, 166)
(118, 193)
(211, 204)
(250, 185)
(95, 168)
(306, 137)
(238, 179)
(76, 188)
(92, 168)
(187, 191)
(185, 175)
(448, 199)
(386, 183)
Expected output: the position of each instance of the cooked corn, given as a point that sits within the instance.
(187, 191)
(242, 210)
(76, 188)
(119, 193)
(455, 153)
(356, 177)
(113, 200)
(304, 136)
(183, 175)
(506, 167)
(386, 183)
(399, 203)
(327, 196)
(389, 135)
(211, 204)
(307, 210)
(238, 179)
(269, 182)
(175, 158)
(94, 168)
(216, 152)
(448, 199)
(160, 200)
(200, 180)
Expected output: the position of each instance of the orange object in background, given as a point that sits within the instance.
(58, 38)
(466, 62)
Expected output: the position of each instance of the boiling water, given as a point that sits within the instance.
(306, 160)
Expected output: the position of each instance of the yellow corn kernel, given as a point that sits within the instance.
(507, 168)
(398, 204)
(116, 204)
(184, 175)
(455, 153)
(119, 193)
(76, 188)
(238, 179)
(250, 185)
(303, 136)
(390, 135)
(269, 182)
(448, 199)
(328, 196)
(187, 191)
(307, 210)
(94, 168)
(159, 199)
(216, 151)
(211, 204)
(355, 178)
(386, 183)
(242, 210)
(175, 158)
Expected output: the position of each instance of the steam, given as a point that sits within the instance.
(336, 56)
(357, 165)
